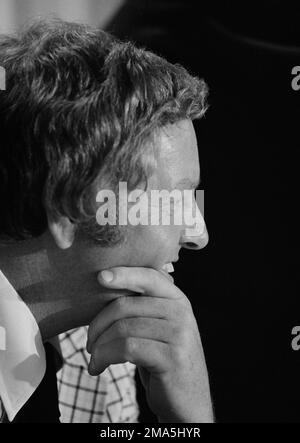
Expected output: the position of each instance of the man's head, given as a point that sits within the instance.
(83, 111)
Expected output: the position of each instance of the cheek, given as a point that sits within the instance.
(152, 245)
(148, 246)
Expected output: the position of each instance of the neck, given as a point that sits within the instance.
(57, 302)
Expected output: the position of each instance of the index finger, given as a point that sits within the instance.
(147, 281)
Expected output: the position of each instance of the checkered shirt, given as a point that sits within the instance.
(107, 398)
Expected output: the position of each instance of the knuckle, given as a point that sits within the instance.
(185, 307)
(129, 348)
(177, 311)
(179, 357)
(121, 303)
(185, 336)
(186, 302)
(180, 310)
(181, 335)
(176, 332)
(122, 328)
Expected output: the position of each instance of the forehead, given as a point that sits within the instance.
(178, 159)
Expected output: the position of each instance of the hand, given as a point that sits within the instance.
(158, 332)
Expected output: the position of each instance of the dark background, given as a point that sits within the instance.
(243, 285)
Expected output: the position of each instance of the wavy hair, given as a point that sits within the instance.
(80, 106)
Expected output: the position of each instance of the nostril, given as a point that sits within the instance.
(190, 244)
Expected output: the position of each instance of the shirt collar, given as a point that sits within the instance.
(22, 354)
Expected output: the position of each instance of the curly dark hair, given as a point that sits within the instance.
(79, 105)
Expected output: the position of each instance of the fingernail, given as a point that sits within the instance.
(91, 368)
(107, 276)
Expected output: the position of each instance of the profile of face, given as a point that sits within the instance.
(154, 245)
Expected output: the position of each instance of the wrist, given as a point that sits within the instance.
(203, 416)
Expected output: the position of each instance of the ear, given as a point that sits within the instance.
(63, 232)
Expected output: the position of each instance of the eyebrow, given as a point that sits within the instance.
(189, 183)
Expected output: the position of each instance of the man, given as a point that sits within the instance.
(82, 113)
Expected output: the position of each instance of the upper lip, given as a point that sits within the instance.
(173, 261)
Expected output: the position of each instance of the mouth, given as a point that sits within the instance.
(168, 268)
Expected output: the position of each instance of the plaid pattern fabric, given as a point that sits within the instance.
(107, 398)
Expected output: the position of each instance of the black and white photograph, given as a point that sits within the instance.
(149, 189)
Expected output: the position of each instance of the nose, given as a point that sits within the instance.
(195, 236)
(195, 239)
